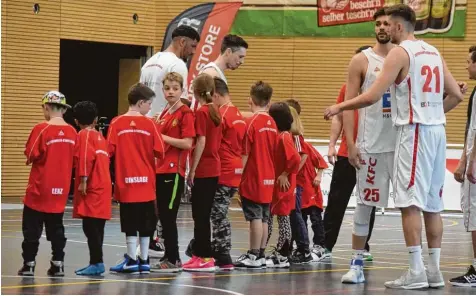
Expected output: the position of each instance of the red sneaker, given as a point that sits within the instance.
(201, 264)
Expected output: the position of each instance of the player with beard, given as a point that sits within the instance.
(375, 142)
(418, 77)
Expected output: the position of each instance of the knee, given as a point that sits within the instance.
(362, 220)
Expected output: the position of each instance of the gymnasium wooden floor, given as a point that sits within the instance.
(387, 246)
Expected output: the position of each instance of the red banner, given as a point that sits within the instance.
(217, 25)
(339, 12)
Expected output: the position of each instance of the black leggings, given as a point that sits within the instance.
(168, 203)
(94, 230)
(203, 194)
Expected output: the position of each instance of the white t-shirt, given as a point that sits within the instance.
(195, 103)
(154, 71)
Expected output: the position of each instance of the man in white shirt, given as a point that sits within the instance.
(183, 46)
(232, 56)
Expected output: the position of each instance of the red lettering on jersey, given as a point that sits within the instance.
(371, 171)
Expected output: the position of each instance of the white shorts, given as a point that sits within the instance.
(373, 179)
(420, 167)
(468, 204)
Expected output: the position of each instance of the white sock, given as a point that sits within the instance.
(416, 261)
(358, 254)
(434, 262)
(131, 242)
(144, 247)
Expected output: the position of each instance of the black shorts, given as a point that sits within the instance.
(138, 217)
(255, 211)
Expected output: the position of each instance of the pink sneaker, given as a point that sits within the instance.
(191, 261)
(226, 267)
(201, 264)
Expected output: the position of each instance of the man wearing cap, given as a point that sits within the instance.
(49, 150)
(183, 45)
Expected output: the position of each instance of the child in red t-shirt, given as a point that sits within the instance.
(134, 140)
(231, 167)
(287, 161)
(176, 123)
(204, 172)
(92, 194)
(312, 202)
(49, 150)
(257, 181)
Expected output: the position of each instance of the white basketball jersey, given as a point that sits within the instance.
(419, 97)
(376, 133)
(195, 103)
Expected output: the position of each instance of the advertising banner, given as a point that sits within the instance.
(343, 18)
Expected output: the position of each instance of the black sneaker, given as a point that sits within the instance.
(467, 280)
(189, 249)
(56, 268)
(156, 248)
(28, 269)
(300, 257)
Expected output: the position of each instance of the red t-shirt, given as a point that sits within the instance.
(180, 125)
(230, 147)
(259, 143)
(50, 150)
(135, 141)
(311, 196)
(343, 145)
(286, 159)
(92, 160)
(209, 164)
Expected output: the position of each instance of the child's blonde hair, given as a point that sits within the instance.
(296, 126)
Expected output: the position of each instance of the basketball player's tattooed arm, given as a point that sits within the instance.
(395, 61)
(454, 91)
(461, 168)
(355, 77)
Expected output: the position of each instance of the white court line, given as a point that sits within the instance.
(129, 281)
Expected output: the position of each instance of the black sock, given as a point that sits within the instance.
(255, 252)
(261, 252)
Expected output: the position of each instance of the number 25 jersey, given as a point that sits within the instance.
(419, 97)
(376, 133)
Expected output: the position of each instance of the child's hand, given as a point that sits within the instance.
(317, 180)
(82, 188)
(191, 176)
(283, 183)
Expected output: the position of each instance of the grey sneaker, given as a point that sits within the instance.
(435, 279)
(409, 281)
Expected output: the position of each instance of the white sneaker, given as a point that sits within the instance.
(435, 279)
(356, 273)
(276, 260)
(320, 254)
(409, 281)
(249, 260)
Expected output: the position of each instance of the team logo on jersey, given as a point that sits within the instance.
(132, 124)
(174, 123)
(269, 122)
(61, 133)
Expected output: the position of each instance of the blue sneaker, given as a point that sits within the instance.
(144, 266)
(128, 265)
(93, 269)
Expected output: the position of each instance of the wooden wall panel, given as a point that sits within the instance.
(30, 68)
(109, 21)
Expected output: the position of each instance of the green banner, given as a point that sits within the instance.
(288, 22)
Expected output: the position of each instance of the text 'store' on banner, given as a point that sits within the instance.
(213, 22)
(343, 18)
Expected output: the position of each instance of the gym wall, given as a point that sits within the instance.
(311, 70)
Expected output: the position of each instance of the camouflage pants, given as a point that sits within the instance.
(284, 236)
(221, 234)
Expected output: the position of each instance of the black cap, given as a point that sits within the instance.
(186, 31)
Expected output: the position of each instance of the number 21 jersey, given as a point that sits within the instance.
(419, 97)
